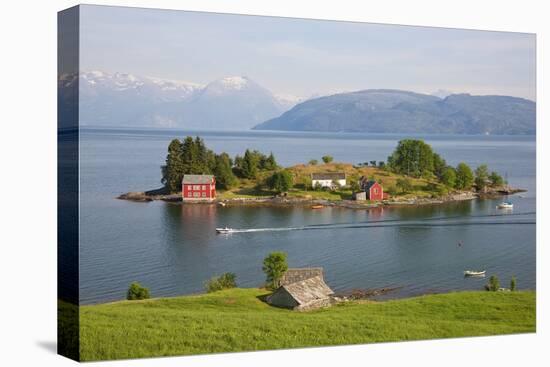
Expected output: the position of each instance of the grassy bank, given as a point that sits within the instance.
(236, 320)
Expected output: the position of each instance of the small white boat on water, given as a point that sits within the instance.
(474, 273)
(505, 205)
(224, 230)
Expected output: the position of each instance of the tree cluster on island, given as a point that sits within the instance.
(415, 158)
(411, 160)
(191, 156)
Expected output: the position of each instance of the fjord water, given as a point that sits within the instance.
(173, 249)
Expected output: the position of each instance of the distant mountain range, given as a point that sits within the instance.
(396, 111)
(239, 103)
(119, 99)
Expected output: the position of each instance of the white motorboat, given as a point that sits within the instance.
(505, 205)
(225, 230)
(474, 273)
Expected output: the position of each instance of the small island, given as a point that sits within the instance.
(412, 175)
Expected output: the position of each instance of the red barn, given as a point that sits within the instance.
(198, 187)
(374, 191)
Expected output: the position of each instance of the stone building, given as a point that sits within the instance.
(301, 289)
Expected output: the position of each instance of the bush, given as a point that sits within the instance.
(274, 267)
(137, 291)
(513, 284)
(404, 184)
(327, 159)
(392, 190)
(493, 285)
(313, 162)
(224, 281)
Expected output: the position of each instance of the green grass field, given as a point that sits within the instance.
(236, 320)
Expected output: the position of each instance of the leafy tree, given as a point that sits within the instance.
(513, 284)
(313, 162)
(464, 177)
(224, 281)
(440, 166)
(274, 267)
(280, 181)
(327, 159)
(225, 178)
(136, 291)
(381, 164)
(448, 178)
(481, 177)
(496, 179)
(173, 170)
(404, 184)
(372, 163)
(413, 158)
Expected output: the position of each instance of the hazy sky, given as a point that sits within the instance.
(306, 57)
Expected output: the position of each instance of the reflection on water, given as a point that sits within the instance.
(174, 249)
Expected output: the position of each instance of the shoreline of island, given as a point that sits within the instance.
(282, 201)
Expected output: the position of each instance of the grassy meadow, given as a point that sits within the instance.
(237, 320)
(301, 173)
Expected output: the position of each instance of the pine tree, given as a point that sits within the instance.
(270, 163)
(173, 170)
(225, 178)
(249, 167)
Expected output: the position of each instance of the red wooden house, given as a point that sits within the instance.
(198, 187)
(373, 190)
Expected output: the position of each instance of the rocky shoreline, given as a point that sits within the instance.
(153, 195)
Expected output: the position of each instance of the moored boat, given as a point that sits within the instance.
(505, 205)
(474, 273)
(317, 206)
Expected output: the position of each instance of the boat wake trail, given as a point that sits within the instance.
(423, 223)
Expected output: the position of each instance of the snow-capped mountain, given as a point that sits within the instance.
(235, 102)
(120, 99)
(442, 93)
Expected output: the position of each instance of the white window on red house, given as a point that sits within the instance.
(196, 194)
(204, 187)
(189, 194)
(204, 194)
